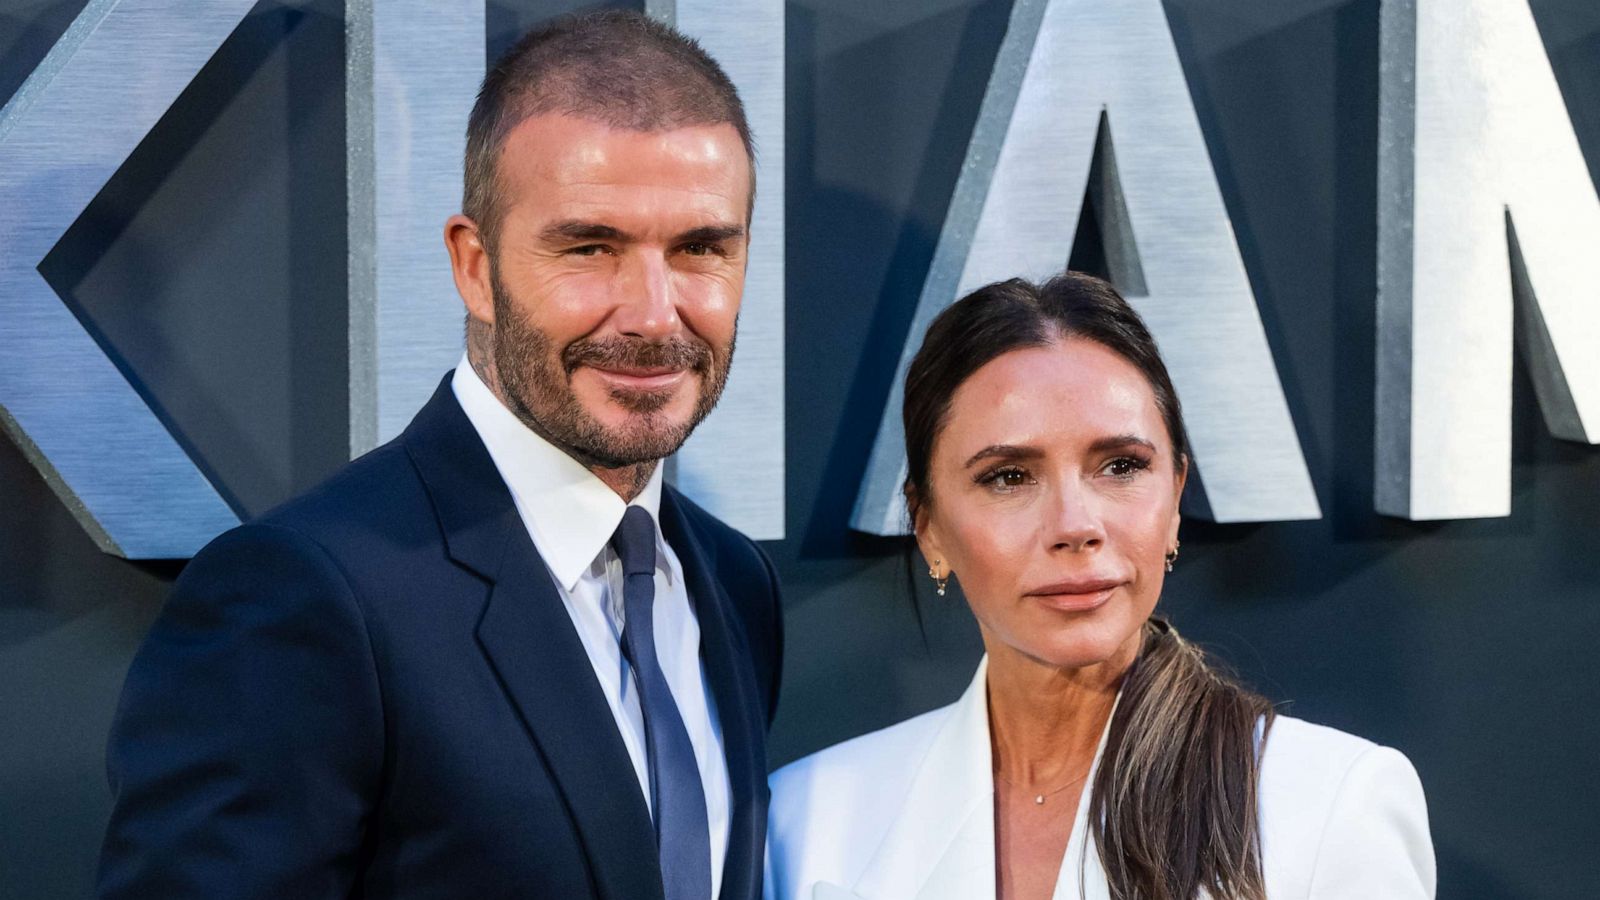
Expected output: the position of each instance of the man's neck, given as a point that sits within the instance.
(627, 481)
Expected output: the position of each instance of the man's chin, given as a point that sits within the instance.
(624, 409)
(637, 436)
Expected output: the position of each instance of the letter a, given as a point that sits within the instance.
(1070, 73)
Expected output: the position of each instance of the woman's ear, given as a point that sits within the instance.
(938, 563)
(1178, 482)
(927, 535)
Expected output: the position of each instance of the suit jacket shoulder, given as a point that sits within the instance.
(376, 504)
(203, 753)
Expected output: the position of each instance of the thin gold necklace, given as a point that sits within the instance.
(1038, 799)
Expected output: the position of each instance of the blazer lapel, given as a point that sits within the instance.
(530, 642)
(725, 652)
(941, 844)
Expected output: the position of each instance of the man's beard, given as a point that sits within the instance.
(537, 382)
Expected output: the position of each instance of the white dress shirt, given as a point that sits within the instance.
(571, 516)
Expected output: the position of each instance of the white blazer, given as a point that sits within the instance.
(907, 813)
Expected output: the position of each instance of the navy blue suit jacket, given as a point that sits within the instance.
(375, 691)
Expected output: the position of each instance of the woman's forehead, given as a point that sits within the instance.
(1070, 392)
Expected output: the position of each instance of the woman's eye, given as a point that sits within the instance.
(1007, 478)
(1127, 466)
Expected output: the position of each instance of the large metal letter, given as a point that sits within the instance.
(1070, 73)
(734, 464)
(62, 136)
(1483, 197)
(412, 70)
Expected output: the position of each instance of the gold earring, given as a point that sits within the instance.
(1172, 556)
(938, 583)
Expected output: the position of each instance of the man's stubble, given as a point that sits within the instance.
(536, 384)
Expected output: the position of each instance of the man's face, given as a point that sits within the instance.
(616, 274)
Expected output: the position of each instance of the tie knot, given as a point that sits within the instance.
(635, 542)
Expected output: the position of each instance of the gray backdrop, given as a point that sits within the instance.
(213, 266)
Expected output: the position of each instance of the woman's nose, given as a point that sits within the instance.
(1074, 521)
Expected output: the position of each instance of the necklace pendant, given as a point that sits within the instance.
(1039, 800)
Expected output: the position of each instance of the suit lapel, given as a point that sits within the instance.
(532, 645)
(725, 653)
(530, 642)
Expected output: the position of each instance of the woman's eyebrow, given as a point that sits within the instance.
(1120, 442)
(1013, 451)
(1003, 451)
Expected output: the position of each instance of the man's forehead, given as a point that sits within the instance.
(563, 139)
(556, 159)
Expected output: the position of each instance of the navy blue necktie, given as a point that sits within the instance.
(683, 835)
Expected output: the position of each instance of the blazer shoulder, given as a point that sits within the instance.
(1314, 755)
(830, 810)
(1341, 816)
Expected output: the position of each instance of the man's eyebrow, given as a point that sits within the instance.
(711, 234)
(1003, 451)
(579, 230)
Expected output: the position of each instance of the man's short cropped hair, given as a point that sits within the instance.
(616, 67)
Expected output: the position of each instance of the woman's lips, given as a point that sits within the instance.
(1075, 596)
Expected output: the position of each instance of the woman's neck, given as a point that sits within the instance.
(1045, 721)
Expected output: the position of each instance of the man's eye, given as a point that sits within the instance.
(587, 250)
(699, 248)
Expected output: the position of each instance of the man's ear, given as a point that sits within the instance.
(469, 265)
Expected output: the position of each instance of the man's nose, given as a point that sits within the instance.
(647, 304)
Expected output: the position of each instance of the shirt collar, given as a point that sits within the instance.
(570, 513)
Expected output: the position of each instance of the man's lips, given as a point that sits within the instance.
(654, 378)
(1075, 595)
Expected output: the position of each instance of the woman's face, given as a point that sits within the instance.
(1054, 501)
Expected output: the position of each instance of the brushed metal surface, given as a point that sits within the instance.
(116, 70)
(1486, 215)
(412, 70)
(1070, 76)
(733, 465)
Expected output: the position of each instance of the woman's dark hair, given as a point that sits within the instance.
(1173, 805)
